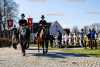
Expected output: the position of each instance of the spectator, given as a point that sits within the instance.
(59, 39)
(81, 37)
(51, 40)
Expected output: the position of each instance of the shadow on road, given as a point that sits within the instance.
(57, 55)
(34, 49)
(2, 60)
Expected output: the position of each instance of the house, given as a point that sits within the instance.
(54, 28)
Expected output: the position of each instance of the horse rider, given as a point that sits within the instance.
(42, 24)
(23, 24)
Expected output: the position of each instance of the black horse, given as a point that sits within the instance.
(24, 36)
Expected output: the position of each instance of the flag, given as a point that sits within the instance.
(10, 23)
(30, 20)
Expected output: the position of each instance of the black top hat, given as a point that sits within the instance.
(42, 16)
(23, 15)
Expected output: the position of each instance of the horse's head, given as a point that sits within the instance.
(22, 31)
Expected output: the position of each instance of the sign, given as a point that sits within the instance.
(30, 22)
(10, 23)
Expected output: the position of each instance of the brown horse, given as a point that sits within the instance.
(41, 40)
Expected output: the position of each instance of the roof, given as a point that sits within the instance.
(55, 27)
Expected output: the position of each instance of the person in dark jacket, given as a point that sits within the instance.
(82, 36)
(24, 33)
(51, 40)
(42, 23)
(60, 39)
(93, 37)
(89, 37)
(23, 21)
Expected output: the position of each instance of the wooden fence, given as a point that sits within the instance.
(5, 38)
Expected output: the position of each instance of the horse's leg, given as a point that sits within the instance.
(43, 47)
(38, 47)
(23, 48)
(14, 44)
(46, 45)
(27, 45)
(22, 43)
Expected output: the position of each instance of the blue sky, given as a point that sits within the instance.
(68, 13)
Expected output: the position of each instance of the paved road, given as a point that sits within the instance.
(55, 58)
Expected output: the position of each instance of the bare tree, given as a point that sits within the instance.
(8, 8)
(86, 29)
(75, 30)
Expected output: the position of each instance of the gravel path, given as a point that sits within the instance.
(13, 58)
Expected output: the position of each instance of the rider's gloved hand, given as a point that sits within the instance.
(40, 24)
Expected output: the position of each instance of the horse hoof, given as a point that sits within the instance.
(43, 53)
(23, 54)
(91, 48)
(15, 48)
